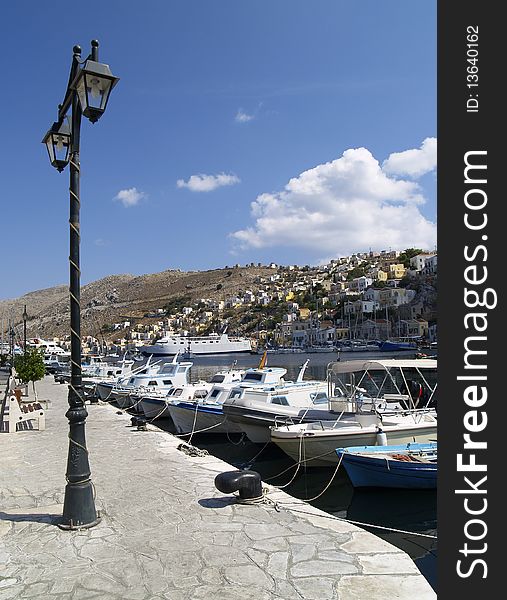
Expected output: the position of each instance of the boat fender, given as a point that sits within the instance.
(381, 437)
(247, 483)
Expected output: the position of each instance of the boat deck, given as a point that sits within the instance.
(166, 532)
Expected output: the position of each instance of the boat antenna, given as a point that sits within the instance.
(302, 370)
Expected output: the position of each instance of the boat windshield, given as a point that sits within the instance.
(319, 398)
(252, 377)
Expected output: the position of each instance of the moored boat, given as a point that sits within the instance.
(315, 443)
(371, 399)
(207, 414)
(394, 346)
(199, 345)
(156, 406)
(255, 409)
(409, 466)
(157, 377)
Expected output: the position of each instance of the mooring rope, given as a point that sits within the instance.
(328, 485)
(353, 522)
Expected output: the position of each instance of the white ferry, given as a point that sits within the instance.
(48, 347)
(187, 345)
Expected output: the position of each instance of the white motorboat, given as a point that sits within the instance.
(255, 409)
(319, 349)
(156, 406)
(359, 346)
(207, 414)
(47, 347)
(103, 373)
(159, 378)
(315, 443)
(393, 398)
(199, 345)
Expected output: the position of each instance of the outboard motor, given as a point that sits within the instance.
(247, 483)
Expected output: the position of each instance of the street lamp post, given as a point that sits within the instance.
(90, 84)
(25, 316)
(13, 344)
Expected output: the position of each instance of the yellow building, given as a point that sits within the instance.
(396, 271)
(304, 313)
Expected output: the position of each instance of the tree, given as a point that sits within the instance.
(358, 271)
(30, 367)
(407, 254)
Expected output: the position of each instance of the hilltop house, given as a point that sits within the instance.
(374, 329)
(396, 271)
(417, 262)
(412, 328)
(430, 265)
(389, 296)
(360, 284)
(360, 307)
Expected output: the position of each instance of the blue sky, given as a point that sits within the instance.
(240, 131)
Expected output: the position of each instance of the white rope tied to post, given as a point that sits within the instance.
(192, 450)
(353, 522)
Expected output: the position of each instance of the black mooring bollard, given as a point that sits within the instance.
(247, 483)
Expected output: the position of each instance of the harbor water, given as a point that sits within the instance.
(405, 518)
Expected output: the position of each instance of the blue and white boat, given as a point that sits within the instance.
(410, 466)
(397, 346)
(208, 414)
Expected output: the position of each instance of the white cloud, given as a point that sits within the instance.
(130, 197)
(340, 207)
(207, 183)
(415, 162)
(243, 117)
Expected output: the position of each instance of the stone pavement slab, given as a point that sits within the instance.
(166, 532)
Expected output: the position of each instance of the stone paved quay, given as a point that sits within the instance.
(166, 532)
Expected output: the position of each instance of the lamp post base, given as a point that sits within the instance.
(79, 507)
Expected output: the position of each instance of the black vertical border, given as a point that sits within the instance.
(459, 132)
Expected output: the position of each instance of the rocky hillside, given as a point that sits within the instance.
(120, 297)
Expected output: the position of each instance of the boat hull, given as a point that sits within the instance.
(320, 450)
(256, 422)
(388, 346)
(162, 352)
(367, 471)
(104, 390)
(198, 346)
(154, 408)
(209, 418)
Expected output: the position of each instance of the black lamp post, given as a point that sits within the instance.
(90, 84)
(25, 316)
(13, 344)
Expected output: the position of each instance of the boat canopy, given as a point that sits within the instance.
(353, 366)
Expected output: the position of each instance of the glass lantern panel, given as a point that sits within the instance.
(50, 148)
(81, 92)
(60, 146)
(97, 89)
